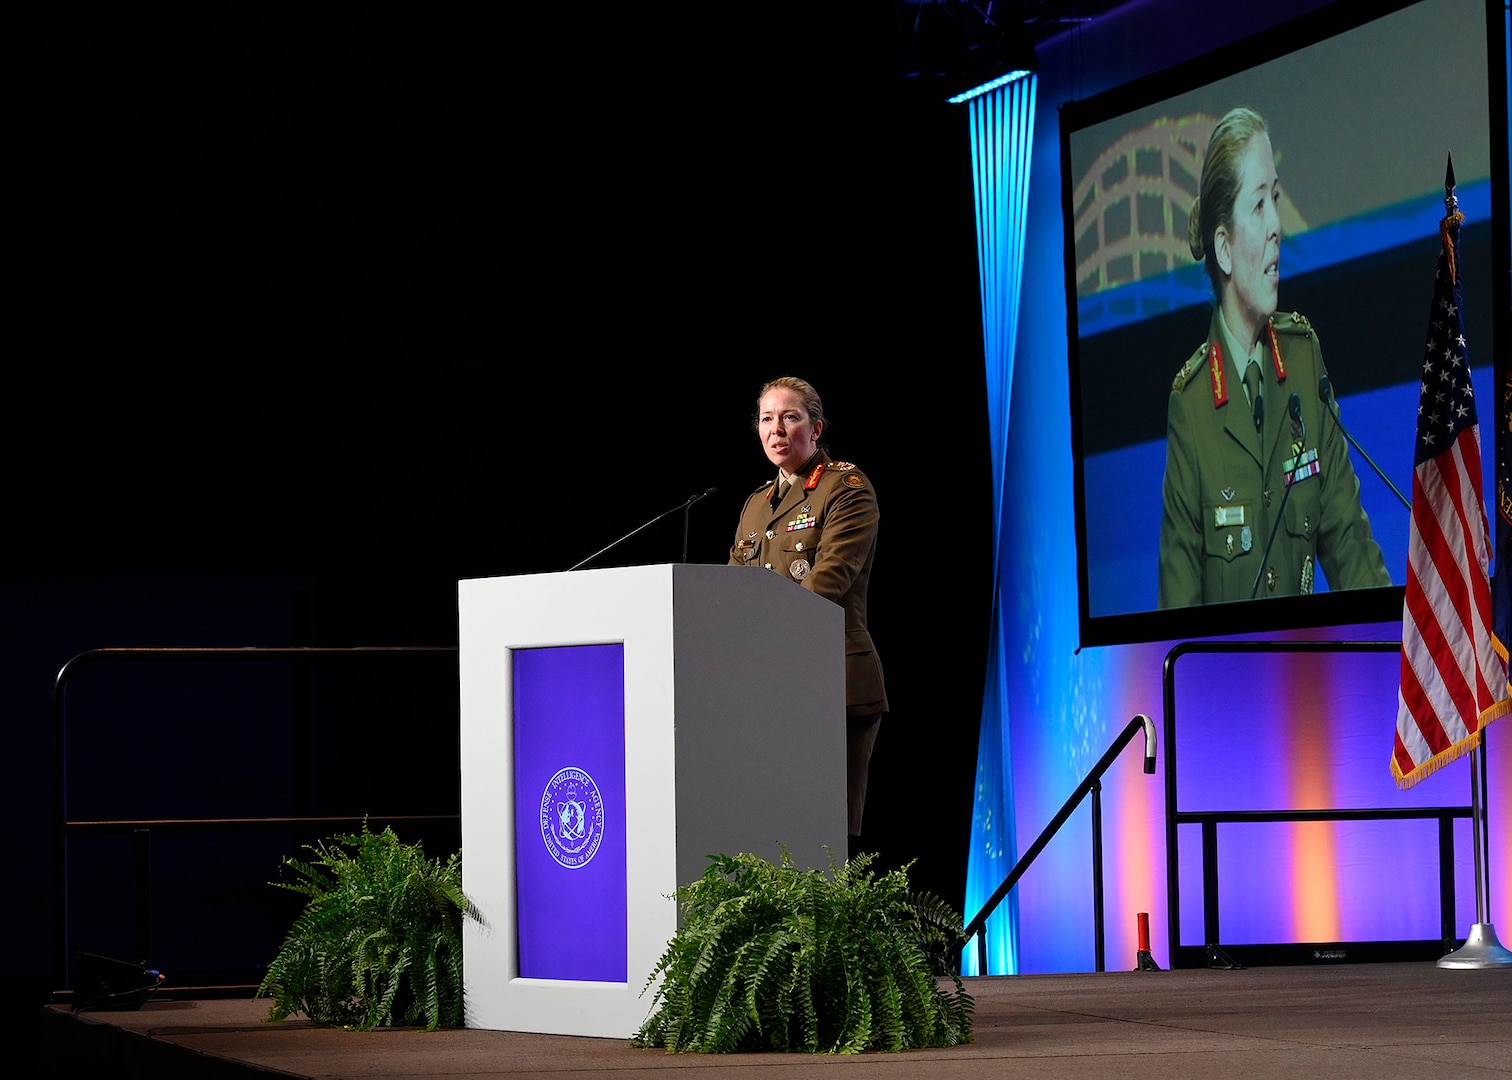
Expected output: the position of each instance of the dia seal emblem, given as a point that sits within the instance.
(572, 818)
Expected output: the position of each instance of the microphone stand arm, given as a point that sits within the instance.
(644, 525)
(1371, 462)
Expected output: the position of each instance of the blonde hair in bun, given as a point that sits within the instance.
(1214, 205)
(1194, 229)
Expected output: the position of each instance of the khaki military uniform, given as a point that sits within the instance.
(1226, 483)
(823, 536)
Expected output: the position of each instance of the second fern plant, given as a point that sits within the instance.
(770, 957)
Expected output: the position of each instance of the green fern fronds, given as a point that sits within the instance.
(380, 939)
(770, 957)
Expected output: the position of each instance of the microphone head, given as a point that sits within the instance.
(1294, 408)
(1325, 388)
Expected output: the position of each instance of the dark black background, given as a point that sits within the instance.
(315, 309)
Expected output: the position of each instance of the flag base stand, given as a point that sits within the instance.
(1218, 960)
(1146, 962)
(1480, 950)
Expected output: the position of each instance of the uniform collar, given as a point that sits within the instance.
(801, 473)
(1238, 356)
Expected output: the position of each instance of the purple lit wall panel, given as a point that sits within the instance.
(569, 729)
(1292, 730)
(1304, 731)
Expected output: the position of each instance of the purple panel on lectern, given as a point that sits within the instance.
(570, 872)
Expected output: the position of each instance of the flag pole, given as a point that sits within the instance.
(1481, 948)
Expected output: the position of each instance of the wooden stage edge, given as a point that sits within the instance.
(1368, 1020)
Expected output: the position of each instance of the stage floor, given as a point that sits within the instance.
(1361, 1020)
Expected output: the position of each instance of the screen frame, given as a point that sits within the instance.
(1333, 608)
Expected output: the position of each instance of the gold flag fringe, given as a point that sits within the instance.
(1436, 762)
(1454, 753)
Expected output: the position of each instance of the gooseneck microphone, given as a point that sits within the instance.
(704, 494)
(1294, 410)
(684, 507)
(1331, 407)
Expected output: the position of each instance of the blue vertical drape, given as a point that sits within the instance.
(1002, 128)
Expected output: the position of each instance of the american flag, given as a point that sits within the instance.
(1453, 680)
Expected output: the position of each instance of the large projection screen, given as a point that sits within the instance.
(1362, 118)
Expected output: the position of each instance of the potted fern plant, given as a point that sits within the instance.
(770, 957)
(380, 939)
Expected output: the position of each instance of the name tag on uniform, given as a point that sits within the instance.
(1224, 516)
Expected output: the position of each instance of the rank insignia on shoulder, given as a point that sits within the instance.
(841, 466)
(853, 481)
(1291, 322)
(1189, 369)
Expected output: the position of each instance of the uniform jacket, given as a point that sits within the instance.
(823, 536)
(1225, 483)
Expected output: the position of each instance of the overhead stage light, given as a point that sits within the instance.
(1004, 59)
(987, 87)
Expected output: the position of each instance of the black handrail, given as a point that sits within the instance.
(140, 829)
(1092, 784)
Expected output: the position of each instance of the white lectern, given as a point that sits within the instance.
(618, 727)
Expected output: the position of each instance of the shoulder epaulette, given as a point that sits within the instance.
(1190, 369)
(847, 472)
(1291, 323)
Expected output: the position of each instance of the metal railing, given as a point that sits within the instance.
(1092, 785)
(1212, 953)
(141, 830)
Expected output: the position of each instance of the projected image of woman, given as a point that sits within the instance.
(1259, 493)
